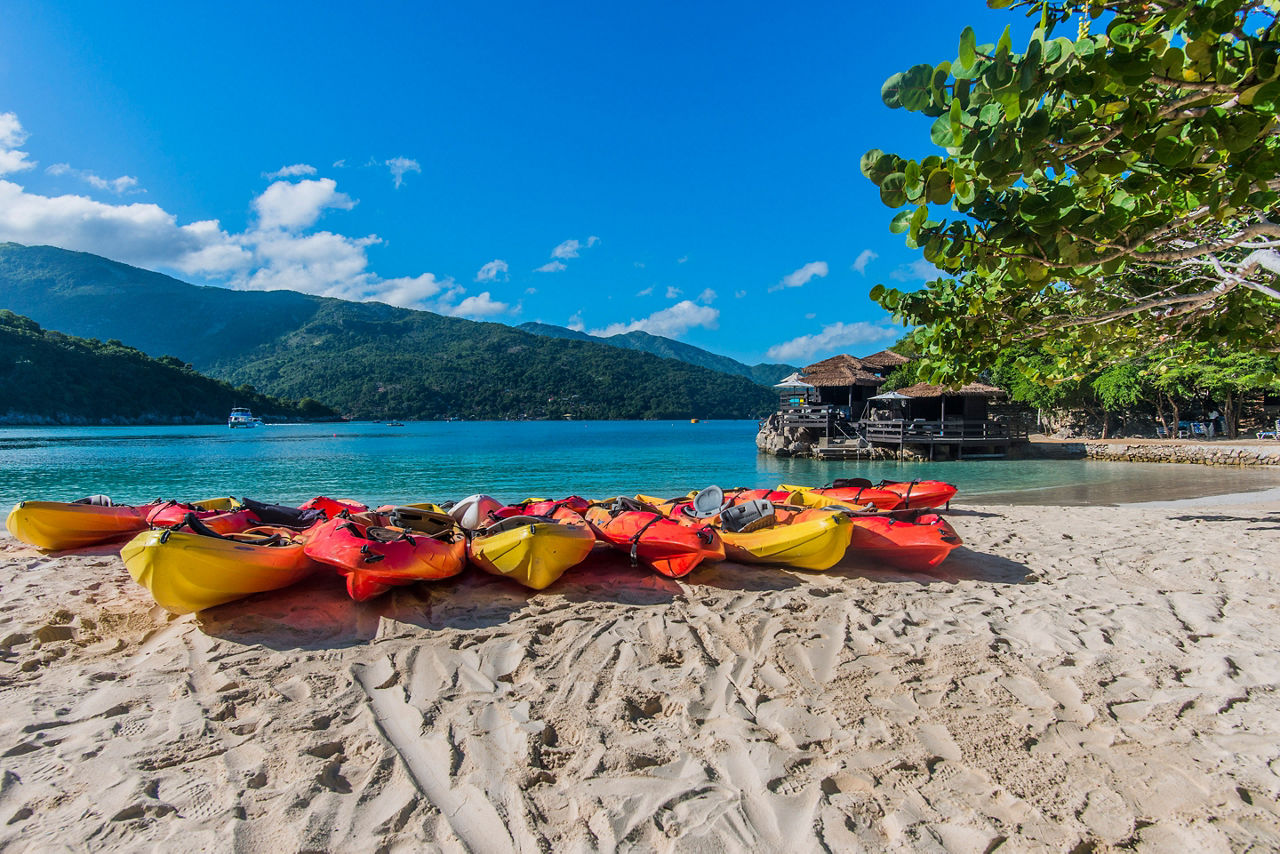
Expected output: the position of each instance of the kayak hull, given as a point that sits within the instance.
(915, 546)
(668, 547)
(56, 525)
(883, 499)
(816, 544)
(922, 494)
(534, 555)
(187, 572)
(371, 567)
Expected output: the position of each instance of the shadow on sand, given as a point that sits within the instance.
(1265, 522)
(318, 614)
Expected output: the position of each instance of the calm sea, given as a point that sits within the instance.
(515, 460)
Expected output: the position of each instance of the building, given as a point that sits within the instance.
(843, 405)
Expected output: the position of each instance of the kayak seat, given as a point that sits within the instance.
(95, 501)
(708, 502)
(847, 482)
(512, 522)
(748, 516)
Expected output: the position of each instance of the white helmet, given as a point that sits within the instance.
(474, 511)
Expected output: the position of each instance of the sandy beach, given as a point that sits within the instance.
(1075, 679)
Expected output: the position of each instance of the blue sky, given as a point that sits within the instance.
(688, 169)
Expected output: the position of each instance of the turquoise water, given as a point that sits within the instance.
(515, 460)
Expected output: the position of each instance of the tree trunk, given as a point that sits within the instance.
(1106, 424)
(1160, 414)
(1230, 415)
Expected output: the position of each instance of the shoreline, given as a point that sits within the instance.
(1074, 677)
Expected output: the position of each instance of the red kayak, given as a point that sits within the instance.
(215, 515)
(332, 507)
(917, 494)
(665, 545)
(374, 559)
(917, 542)
(539, 507)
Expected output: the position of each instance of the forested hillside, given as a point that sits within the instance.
(363, 359)
(47, 377)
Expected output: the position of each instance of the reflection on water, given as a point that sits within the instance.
(515, 460)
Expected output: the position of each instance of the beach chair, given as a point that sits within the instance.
(1162, 432)
(1184, 429)
(1270, 434)
(1198, 430)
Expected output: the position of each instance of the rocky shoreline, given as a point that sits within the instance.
(783, 440)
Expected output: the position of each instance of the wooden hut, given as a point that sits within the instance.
(843, 381)
(936, 403)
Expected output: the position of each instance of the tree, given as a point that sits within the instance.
(1218, 376)
(1118, 191)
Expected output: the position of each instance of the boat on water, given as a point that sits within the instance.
(241, 417)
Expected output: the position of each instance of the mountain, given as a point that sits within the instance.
(667, 348)
(364, 359)
(50, 378)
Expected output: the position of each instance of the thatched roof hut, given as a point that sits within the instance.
(842, 380)
(839, 371)
(884, 361)
(969, 390)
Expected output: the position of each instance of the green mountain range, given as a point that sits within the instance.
(50, 378)
(763, 373)
(362, 359)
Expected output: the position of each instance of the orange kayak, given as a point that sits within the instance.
(664, 545)
(917, 494)
(915, 544)
(859, 493)
(374, 558)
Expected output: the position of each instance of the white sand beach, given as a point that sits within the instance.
(1075, 679)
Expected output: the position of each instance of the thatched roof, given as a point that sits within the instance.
(884, 360)
(839, 371)
(970, 390)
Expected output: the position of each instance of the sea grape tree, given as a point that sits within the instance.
(1108, 194)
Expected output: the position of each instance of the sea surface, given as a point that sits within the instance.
(438, 460)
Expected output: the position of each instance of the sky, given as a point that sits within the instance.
(690, 170)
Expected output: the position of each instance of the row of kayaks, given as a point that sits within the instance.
(195, 555)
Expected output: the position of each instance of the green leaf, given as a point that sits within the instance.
(891, 190)
(869, 160)
(968, 41)
(1123, 33)
(900, 223)
(1004, 46)
(942, 132)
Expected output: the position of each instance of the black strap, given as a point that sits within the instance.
(635, 539)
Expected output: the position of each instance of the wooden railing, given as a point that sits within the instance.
(906, 432)
(809, 416)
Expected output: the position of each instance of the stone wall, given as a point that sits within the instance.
(1207, 453)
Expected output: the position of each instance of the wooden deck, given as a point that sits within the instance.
(957, 436)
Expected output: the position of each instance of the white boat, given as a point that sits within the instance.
(241, 417)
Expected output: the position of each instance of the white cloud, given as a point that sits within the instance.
(294, 171)
(811, 315)
(673, 292)
(671, 322)
(682, 259)
(575, 322)
(639, 265)
(530, 291)
(707, 296)
(123, 184)
(802, 276)
(340, 164)
(400, 166)
(410, 292)
(11, 136)
(645, 291)
(481, 305)
(490, 272)
(276, 252)
(739, 294)
(918, 270)
(832, 337)
(551, 267)
(865, 257)
(298, 206)
(571, 248)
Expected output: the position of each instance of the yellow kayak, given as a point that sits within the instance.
(188, 572)
(531, 550)
(59, 525)
(806, 543)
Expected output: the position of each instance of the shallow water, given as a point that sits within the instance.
(514, 460)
